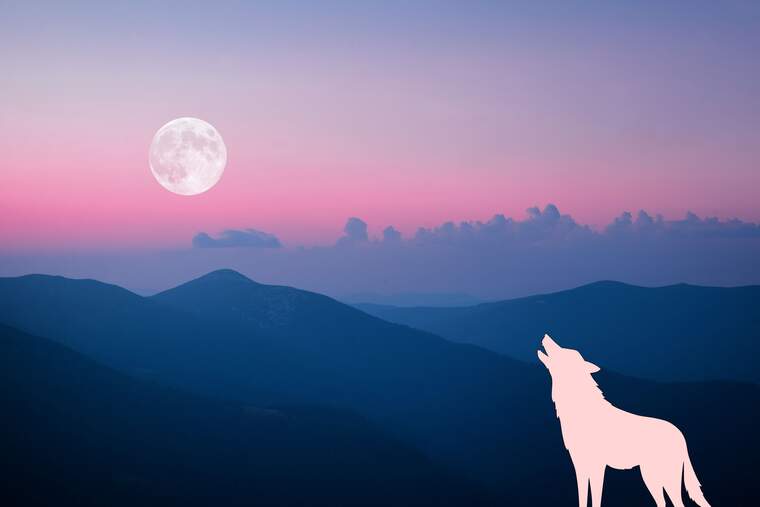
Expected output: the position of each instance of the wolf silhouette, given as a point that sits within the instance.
(598, 434)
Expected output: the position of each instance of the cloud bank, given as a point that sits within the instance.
(544, 250)
(550, 227)
(538, 226)
(691, 226)
(249, 238)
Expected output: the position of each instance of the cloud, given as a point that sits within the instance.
(355, 231)
(390, 234)
(538, 226)
(551, 227)
(249, 238)
(691, 226)
(543, 250)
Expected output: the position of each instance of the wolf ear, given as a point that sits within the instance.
(543, 358)
(592, 368)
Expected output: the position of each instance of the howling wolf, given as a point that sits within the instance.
(598, 434)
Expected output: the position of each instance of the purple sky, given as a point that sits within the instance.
(405, 114)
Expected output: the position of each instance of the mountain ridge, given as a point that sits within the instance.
(634, 330)
(154, 444)
(482, 415)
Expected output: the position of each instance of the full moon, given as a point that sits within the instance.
(187, 156)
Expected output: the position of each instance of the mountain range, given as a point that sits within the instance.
(79, 433)
(678, 332)
(435, 299)
(485, 418)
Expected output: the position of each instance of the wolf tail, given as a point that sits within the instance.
(693, 487)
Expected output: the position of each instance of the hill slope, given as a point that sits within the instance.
(482, 414)
(77, 433)
(680, 332)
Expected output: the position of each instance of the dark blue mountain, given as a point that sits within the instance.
(434, 299)
(680, 332)
(78, 433)
(478, 413)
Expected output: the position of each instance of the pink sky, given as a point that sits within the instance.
(402, 132)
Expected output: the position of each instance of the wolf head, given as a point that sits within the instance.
(564, 363)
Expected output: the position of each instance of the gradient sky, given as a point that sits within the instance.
(403, 113)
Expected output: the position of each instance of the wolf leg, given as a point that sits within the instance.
(596, 478)
(581, 476)
(674, 493)
(673, 489)
(653, 485)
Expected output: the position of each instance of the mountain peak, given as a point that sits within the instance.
(226, 275)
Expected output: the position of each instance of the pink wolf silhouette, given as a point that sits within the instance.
(599, 435)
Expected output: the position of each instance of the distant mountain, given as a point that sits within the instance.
(77, 433)
(434, 299)
(477, 413)
(679, 332)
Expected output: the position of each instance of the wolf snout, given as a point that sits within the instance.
(548, 344)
